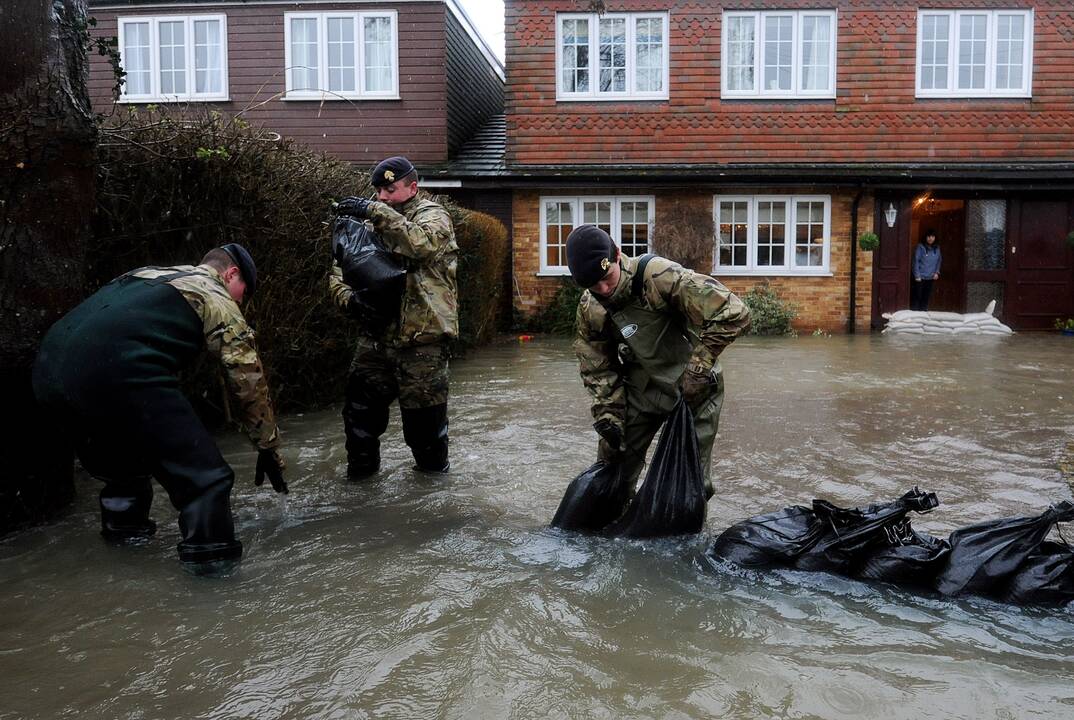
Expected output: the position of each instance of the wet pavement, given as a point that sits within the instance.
(411, 596)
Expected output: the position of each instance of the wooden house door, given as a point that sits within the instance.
(891, 264)
(1042, 263)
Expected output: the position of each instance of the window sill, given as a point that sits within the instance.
(337, 98)
(613, 98)
(732, 272)
(171, 100)
(778, 96)
(554, 273)
(974, 96)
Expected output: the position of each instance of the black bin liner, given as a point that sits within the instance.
(376, 276)
(775, 539)
(985, 557)
(910, 559)
(671, 501)
(593, 500)
(1046, 577)
(852, 535)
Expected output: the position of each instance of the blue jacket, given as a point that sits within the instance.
(926, 261)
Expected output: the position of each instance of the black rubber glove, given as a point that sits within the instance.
(270, 463)
(697, 387)
(355, 207)
(611, 434)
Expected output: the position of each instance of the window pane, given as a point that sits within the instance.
(634, 227)
(208, 57)
(1010, 47)
(986, 234)
(935, 31)
(972, 43)
(816, 51)
(574, 55)
(136, 58)
(649, 55)
(304, 54)
(778, 52)
(809, 233)
(733, 233)
(771, 232)
(340, 38)
(598, 213)
(377, 54)
(558, 225)
(612, 56)
(740, 43)
(172, 57)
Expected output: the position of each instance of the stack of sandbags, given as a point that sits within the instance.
(916, 322)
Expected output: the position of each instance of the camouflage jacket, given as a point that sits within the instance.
(422, 234)
(712, 315)
(231, 340)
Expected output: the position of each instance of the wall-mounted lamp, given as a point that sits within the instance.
(890, 214)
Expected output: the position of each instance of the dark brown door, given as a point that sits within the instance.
(1042, 263)
(891, 261)
(948, 293)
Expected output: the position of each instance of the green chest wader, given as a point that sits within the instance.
(654, 347)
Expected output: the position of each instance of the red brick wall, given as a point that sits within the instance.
(823, 301)
(362, 131)
(874, 118)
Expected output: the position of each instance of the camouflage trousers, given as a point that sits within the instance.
(416, 376)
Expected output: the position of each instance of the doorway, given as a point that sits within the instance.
(947, 218)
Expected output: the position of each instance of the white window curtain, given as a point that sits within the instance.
(208, 58)
(377, 39)
(649, 55)
(304, 61)
(741, 37)
(136, 63)
(816, 51)
(172, 43)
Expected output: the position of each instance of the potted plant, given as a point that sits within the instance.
(1070, 238)
(868, 241)
(1065, 326)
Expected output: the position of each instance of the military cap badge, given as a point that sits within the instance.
(389, 176)
(605, 263)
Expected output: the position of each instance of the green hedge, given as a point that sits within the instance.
(170, 186)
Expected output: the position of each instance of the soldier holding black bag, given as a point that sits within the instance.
(394, 272)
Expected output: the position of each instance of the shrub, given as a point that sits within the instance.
(685, 236)
(171, 185)
(769, 313)
(558, 316)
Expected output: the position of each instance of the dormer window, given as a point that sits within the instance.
(614, 56)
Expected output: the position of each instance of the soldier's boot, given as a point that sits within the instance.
(363, 424)
(426, 432)
(206, 525)
(125, 509)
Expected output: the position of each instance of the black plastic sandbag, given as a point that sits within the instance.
(910, 559)
(774, 539)
(671, 501)
(1045, 578)
(593, 500)
(852, 535)
(376, 276)
(984, 557)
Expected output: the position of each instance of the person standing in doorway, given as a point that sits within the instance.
(926, 271)
(648, 331)
(408, 359)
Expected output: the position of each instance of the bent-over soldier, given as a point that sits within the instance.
(647, 331)
(108, 372)
(407, 359)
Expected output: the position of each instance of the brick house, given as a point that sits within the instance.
(790, 129)
(360, 80)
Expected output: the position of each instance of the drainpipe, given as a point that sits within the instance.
(852, 315)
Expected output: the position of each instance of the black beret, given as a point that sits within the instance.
(245, 264)
(590, 252)
(388, 171)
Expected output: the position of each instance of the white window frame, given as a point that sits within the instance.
(789, 266)
(796, 91)
(952, 90)
(155, 95)
(575, 201)
(594, 93)
(360, 92)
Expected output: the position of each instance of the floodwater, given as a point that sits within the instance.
(413, 597)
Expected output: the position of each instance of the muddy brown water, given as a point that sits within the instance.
(410, 597)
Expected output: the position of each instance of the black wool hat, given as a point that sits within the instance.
(388, 171)
(241, 257)
(590, 252)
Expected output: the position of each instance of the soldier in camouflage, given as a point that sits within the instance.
(108, 371)
(408, 359)
(647, 331)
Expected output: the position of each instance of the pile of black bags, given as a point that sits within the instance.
(1007, 559)
(671, 501)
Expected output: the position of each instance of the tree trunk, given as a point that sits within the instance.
(47, 151)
